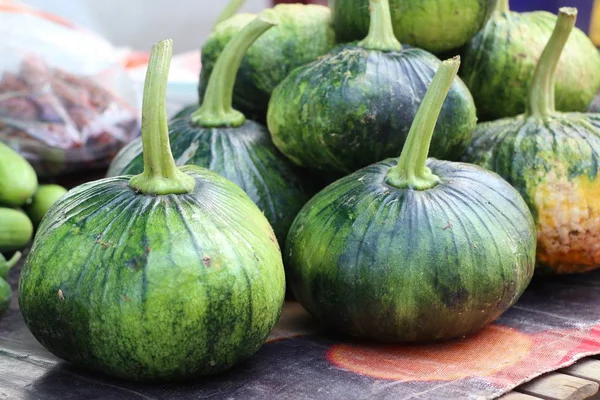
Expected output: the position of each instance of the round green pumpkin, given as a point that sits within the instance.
(354, 106)
(304, 33)
(552, 159)
(553, 162)
(168, 275)
(412, 250)
(499, 62)
(237, 148)
(434, 25)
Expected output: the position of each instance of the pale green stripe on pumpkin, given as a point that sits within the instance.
(217, 109)
(160, 176)
(541, 98)
(381, 31)
(411, 170)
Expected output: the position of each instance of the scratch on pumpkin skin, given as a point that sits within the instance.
(102, 243)
(568, 223)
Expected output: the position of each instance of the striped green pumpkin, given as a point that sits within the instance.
(498, 64)
(303, 34)
(412, 251)
(355, 105)
(153, 287)
(167, 275)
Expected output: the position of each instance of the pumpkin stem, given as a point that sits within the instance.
(503, 6)
(160, 176)
(541, 92)
(13, 260)
(230, 9)
(411, 170)
(217, 109)
(381, 31)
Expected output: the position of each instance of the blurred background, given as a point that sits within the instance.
(139, 23)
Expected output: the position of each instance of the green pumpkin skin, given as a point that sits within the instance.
(402, 265)
(498, 64)
(434, 25)
(244, 155)
(304, 33)
(153, 287)
(553, 162)
(355, 107)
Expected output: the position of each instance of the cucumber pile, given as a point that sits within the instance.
(23, 203)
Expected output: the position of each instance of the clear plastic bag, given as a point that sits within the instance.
(66, 101)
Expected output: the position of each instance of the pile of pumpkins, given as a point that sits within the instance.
(175, 265)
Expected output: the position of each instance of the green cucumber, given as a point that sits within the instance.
(43, 199)
(16, 229)
(18, 181)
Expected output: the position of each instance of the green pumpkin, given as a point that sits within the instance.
(303, 34)
(167, 275)
(414, 249)
(552, 159)
(217, 137)
(354, 106)
(499, 62)
(434, 25)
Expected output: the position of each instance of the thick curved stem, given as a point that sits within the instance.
(216, 109)
(160, 176)
(230, 9)
(13, 260)
(503, 6)
(381, 31)
(411, 170)
(541, 91)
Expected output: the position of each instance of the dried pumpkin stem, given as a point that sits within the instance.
(13, 260)
(217, 108)
(230, 9)
(503, 6)
(160, 176)
(411, 170)
(541, 92)
(381, 31)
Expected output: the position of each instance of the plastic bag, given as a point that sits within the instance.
(66, 102)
